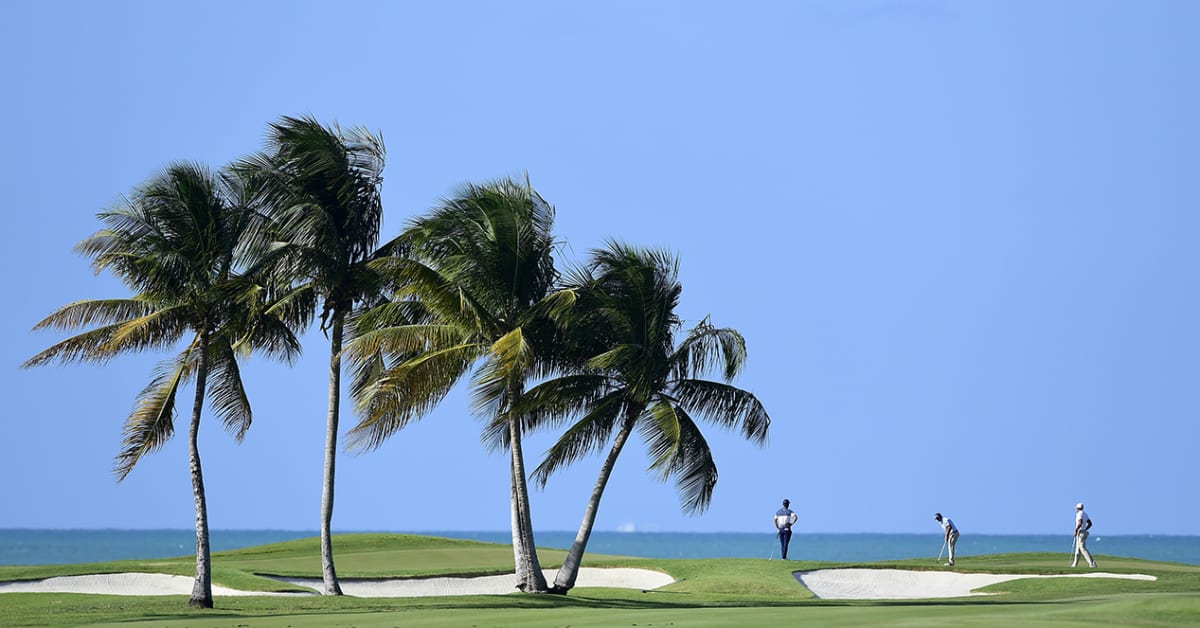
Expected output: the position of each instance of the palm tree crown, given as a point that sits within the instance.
(177, 243)
(322, 191)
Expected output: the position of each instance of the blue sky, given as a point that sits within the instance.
(959, 238)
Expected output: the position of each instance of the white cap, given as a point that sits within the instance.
(1079, 506)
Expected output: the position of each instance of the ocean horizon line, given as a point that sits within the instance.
(315, 531)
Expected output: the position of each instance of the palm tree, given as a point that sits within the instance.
(634, 376)
(481, 269)
(176, 243)
(323, 196)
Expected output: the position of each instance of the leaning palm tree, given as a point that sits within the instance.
(322, 192)
(176, 243)
(634, 377)
(480, 272)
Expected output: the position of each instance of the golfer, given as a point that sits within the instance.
(951, 534)
(1083, 523)
(784, 519)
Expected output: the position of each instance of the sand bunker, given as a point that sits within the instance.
(162, 584)
(624, 578)
(119, 584)
(899, 584)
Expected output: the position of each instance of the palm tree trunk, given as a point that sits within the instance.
(202, 588)
(328, 573)
(564, 580)
(530, 578)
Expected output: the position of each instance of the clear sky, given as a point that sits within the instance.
(960, 239)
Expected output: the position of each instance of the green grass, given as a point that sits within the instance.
(714, 592)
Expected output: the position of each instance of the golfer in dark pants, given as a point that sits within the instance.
(784, 518)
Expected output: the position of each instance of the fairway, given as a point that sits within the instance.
(705, 592)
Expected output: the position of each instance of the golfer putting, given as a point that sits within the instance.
(949, 539)
(784, 519)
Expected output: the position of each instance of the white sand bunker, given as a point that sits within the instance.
(899, 584)
(120, 584)
(163, 584)
(624, 578)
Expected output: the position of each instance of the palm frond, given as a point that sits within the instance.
(406, 392)
(152, 422)
(553, 401)
(95, 311)
(554, 305)
(89, 346)
(725, 405)
(678, 449)
(707, 346)
(619, 357)
(495, 436)
(508, 360)
(271, 336)
(365, 369)
(394, 313)
(693, 467)
(158, 329)
(228, 394)
(444, 298)
(659, 427)
(406, 341)
(293, 306)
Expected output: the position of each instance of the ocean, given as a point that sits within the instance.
(41, 547)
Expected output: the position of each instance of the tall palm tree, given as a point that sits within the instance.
(176, 243)
(323, 195)
(634, 377)
(480, 265)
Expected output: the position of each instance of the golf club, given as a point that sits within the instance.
(939, 558)
(772, 548)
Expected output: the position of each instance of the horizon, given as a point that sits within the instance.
(797, 534)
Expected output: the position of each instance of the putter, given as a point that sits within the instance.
(939, 558)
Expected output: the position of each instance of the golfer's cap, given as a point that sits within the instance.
(1079, 506)
(786, 502)
(937, 515)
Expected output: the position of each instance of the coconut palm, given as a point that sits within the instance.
(481, 268)
(635, 377)
(322, 192)
(176, 243)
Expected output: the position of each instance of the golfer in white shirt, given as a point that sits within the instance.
(1083, 523)
(951, 532)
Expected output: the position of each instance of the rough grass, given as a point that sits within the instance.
(712, 592)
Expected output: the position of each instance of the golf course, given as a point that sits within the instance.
(701, 592)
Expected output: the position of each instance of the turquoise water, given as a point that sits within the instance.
(39, 547)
